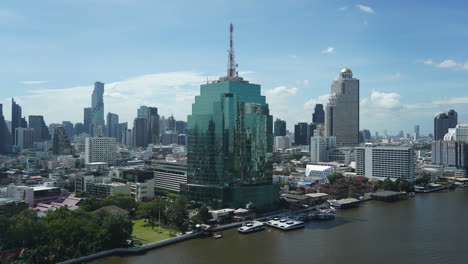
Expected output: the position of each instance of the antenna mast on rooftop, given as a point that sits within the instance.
(231, 72)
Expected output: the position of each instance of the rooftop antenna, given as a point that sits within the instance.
(231, 71)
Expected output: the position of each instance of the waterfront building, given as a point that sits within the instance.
(280, 128)
(112, 126)
(97, 110)
(318, 117)
(169, 175)
(442, 123)
(153, 125)
(230, 144)
(281, 143)
(61, 142)
(100, 149)
(318, 173)
(41, 133)
(452, 151)
(24, 138)
(342, 110)
(385, 162)
(5, 136)
(320, 148)
(140, 132)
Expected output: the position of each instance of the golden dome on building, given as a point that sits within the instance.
(346, 70)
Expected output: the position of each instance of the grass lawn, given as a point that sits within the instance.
(143, 230)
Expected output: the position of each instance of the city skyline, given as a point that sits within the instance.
(410, 79)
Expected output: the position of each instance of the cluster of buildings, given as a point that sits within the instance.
(229, 153)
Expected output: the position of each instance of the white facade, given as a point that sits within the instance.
(318, 172)
(385, 162)
(142, 190)
(282, 143)
(100, 149)
(319, 148)
(459, 133)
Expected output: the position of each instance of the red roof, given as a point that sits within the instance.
(71, 201)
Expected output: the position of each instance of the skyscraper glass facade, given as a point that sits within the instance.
(229, 146)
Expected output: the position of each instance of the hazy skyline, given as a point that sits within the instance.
(411, 58)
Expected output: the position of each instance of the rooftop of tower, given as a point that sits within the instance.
(346, 70)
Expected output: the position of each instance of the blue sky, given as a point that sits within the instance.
(410, 56)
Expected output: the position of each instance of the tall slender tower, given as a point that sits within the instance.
(342, 111)
(230, 144)
(5, 136)
(16, 120)
(97, 108)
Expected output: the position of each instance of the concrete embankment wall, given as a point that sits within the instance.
(134, 251)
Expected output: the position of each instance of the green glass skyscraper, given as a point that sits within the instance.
(230, 143)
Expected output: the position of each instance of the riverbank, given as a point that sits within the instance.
(423, 229)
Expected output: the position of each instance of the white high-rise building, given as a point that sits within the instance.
(320, 147)
(385, 162)
(282, 143)
(100, 149)
(342, 111)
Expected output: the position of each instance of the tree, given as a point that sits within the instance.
(121, 200)
(423, 179)
(351, 191)
(177, 215)
(90, 204)
(389, 185)
(333, 177)
(203, 214)
(406, 186)
(115, 231)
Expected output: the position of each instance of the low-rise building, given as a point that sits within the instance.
(102, 190)
(169, 175)
(318, 173)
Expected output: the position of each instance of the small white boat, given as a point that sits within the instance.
(250, 227)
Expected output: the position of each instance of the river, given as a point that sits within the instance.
(429, 228)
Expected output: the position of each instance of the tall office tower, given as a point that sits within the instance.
(41, 132)
(142, 112)
(318, 117)
(121, 133)
(180, 127)
(342, 111)
(5, 136)
(162, 125)
(68, 126)
(97, 108)
(140, 132)
(100, 149)
(279, 128)
(301, 133)
(416, 132)
(153, 125)
(87, 119)
(320, 147)
(16, 119)
(61, 142)
(112, 125)
(385, 162)
(385, 134)
(230, 142)
(366, 135)
(128, 137)
(25, 137)
(401, 134)
(171, 123)
(79, 129)
(442, 123)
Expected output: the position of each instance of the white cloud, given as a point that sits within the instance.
(366, 9)
(282, 91)
(322, 99)
(447, 64)
(385, 100)
(395, 76)
(292, 56)
(33, 82)
(328, 50)
(453, 100)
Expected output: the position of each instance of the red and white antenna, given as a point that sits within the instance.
(231, 71)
